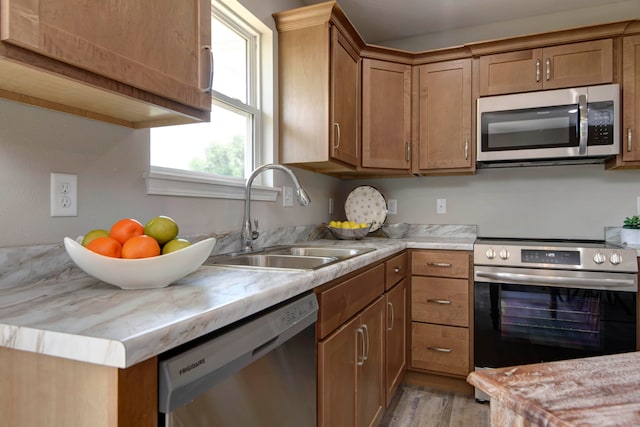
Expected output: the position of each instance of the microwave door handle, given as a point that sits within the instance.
(583, 113)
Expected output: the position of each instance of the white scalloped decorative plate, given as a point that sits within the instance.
(366, 204)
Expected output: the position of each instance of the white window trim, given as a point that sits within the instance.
(175, 182)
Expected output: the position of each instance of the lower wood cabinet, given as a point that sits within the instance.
(350, 377)
(362, 343)
(440, 348)
(396, 338)
(42, 390)
(441, 312)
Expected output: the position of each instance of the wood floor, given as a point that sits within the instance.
(416, 406)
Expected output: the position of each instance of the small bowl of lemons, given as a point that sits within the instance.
(348, 230)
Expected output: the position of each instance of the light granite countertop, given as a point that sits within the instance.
(597, 391)
(78, 317)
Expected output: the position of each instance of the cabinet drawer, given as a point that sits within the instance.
(439, 300)
(396, 269)
(341, 302)
(440, 263)
(440, 348)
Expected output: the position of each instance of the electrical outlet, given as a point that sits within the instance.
(63, 194)
(392, 206)
(441, 206)
(331, 207)
(287, 196)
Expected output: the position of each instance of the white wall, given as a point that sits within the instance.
(110, 162)
(533, 25)
(554, 202)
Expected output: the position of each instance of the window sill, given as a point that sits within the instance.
(173, 182)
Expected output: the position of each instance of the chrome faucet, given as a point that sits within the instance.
(248, 235)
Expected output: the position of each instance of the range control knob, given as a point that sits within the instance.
(490, 253)
(504, 253)
(615, 258)
(598, 258)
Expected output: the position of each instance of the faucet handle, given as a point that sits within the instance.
(255, 233)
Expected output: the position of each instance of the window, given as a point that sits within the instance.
(225, 150)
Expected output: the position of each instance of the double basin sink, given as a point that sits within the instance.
(289, 257)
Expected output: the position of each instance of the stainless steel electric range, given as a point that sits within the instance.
(545, 300)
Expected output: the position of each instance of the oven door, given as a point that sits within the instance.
(517, 324)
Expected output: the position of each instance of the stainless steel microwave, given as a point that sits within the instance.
(578, 125)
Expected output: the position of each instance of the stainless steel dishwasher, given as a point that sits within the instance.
(260, 372)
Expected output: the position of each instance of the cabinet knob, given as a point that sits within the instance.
(397, 269)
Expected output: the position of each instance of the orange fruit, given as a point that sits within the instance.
(125, 229)
(107, 246)
(141, 246)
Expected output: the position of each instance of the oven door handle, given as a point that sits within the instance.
(559, 281)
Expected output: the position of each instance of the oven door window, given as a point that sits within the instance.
(521, 324)
(531, 128)
(551, 316)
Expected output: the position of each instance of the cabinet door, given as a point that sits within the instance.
(345, 93)
(386, 114)
(370, 384)
(445, 116)
(578, 64)
(631, 99)
(510, 72)
(337, 361)
(154, 45)
(569, 65)
(396, 338)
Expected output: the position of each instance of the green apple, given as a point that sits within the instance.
(175, 245)
(93, 234)
(161, 228)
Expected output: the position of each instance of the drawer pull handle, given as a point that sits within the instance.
(366, 334)
(393, 316)
(440, 264)
(629, 140)
(361, 358)
(440, 349)
(397, 269)
(439, 301)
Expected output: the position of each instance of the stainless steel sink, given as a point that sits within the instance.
(290, 257)
(320, 251)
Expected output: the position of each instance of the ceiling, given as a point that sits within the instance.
(385, 20)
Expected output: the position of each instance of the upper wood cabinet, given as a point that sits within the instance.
(631, 100)
(575, 64)
(134, 63)
(443, 117)
(319, 80)
(345, 91)
(386, 114)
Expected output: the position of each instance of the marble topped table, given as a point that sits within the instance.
(597, 391)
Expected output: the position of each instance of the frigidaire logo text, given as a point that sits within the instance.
(191, 366)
